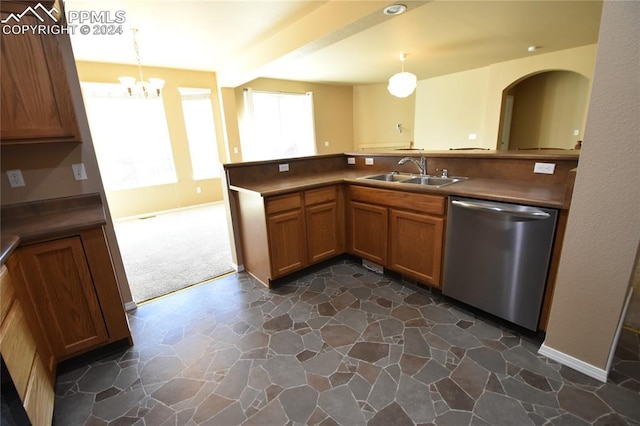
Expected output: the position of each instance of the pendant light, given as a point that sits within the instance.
(141, 87)
(403, 83)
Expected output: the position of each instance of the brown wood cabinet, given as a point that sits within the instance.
(402, 231)
(23, 353)
(60, 286)
(285, 233)
(73, 293)
(36, 101)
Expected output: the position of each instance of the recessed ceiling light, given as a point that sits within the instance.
(395, 9)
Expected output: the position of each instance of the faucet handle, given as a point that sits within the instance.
(445, 172)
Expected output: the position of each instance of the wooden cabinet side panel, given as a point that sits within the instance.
(415, 245)
(18, 348)
(287, 242)
(60, 286)
(43, 344)
(323, 236)
(7, 294)
(368, 232)
(253, 236)
(106, 284)
(38, 402)
(36, 102)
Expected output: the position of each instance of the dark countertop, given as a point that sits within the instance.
(541, 195)
(46, 219)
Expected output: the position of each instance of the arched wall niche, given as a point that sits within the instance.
(544, 110)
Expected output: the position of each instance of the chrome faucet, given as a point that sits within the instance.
(421, 165)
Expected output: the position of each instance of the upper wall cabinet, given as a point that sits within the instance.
(36, 101)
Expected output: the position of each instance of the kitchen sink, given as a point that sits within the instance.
(436, 181)
(392, 177)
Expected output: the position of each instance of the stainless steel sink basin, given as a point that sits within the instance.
(392, 177)
(436, 181)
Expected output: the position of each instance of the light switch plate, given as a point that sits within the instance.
(283, 167)
(15, 178)
(79, 172)
(544, 168)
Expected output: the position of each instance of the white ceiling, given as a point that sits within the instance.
(337, 41)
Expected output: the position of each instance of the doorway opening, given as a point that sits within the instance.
(546, 110)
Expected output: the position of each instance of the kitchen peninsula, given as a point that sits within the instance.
(292, 213)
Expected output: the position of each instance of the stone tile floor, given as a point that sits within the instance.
(340, 345)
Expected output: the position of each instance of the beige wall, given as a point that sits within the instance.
(376, 115)
(333, 109)
(548, 108)
(603, 229)
(449, 108)
(184, 193)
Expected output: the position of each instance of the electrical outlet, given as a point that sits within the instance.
(544, 168)
(15, 178)
(351, 160)
(283, 167)
(368, 161)
(79, 172)
(326, 143)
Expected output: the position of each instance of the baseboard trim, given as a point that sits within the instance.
(575, 363)
(238, 268)
(130, 306)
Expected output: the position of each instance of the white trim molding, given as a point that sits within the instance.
(130, 306)
(575, 363)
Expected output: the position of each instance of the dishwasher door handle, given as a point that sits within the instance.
(520, 211)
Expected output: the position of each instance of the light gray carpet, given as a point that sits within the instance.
(174, 250)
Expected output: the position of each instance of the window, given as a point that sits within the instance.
(279, 125)
(201, 133)
(130, 136)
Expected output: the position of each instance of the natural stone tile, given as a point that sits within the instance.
(432, 372)
(232, 415)
(500, 410)
(339, 378)
(494, 385)
(456, 336)
(418, 299)
(299, 403)
(355, 319)
(453, 418)
(411, 364)
(405, 313)
(112, 408)
(525, 393)
(470, 377)
(105, 394)
(414, 343)
(454, 395)
(283, 322)
(235, 380)
(373, 333)
(343, 301)
(413, 396)
(161, 368)
(305, 355)
(368, 371)
(341, 406)
(319, 383)
(286, 343)
(158, 414)
(536, 380)
(368, 351)
(391, 327)
(339, 335)
(612, 419)
(527, 360)
(383, 391)
(438, 314)
(622, 401)
(326, 309)
(392, 414)
(324, 364)
(212, 405)
(584, 404)
(75, 411)
(254, 340)
(99, 377)
(177, 390)
(359, 387)
(285, 370)
(490, 359)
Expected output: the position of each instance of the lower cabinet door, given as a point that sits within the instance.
(287, 239)
(61, 288)
(368, 232)
(323, 234)
(38, 402)
(415, 245)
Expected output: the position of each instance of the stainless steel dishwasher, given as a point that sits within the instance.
(497, 257)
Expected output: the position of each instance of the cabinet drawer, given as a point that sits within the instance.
(320, 195)
(18, 348)
(424, 203)
(284, 202)
(6, 292)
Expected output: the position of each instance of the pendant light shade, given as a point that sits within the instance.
(403, 83)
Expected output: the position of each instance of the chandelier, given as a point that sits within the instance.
(141, 87)
(403, 83)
